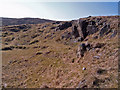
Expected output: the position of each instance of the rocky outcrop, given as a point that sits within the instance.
(87, 26)
(65, 25)
(79, 28)
(83, 28)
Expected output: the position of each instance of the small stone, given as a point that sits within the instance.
(38, 53)
(96, 82)
(83, 68)
(96, 57)
(5, 85)
(45, 86)
(98, 45)
(97, 50)
(85, 86)
(73, 60)
(96, 37)
(101, 71)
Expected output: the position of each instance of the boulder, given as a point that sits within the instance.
(33, 42)
(81, 50)
(6, 48)
(96, 82)
(45, 86)
(88, 46)
(52, 27)
(101, 71)
(44, 27)
(23, 27)
(66, 35)
(48, 52)
(79, 39)
(97, 57)
(95, 37)
(39, 53)
(92, 22)
(57, 22)
(91, 29)
(81, 84)
(65, 25)
(98, 45)
(82, 28)
(14, 30)
(103, 30)
(114, 34)
(75, 32)
(79, 28)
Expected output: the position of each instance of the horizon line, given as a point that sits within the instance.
(59, 20)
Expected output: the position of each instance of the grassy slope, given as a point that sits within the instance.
(54, 67)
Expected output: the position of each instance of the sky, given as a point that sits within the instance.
(62, 11)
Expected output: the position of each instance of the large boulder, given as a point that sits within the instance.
(83, 28)
(79, 28)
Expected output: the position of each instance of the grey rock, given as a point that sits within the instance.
(6, 48)
(101, 71)
(88, 46)
(79, 28)
(81, 83)
(79, 39)
(98, 45)
(95, 37)
(65, 25)
(66, 35)
(91, 29)
(104, 30)
(97, 57)
(83, 68)
(113, 34)
(81, 50)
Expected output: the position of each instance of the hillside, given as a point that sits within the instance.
(50, 55)
(19, 21)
